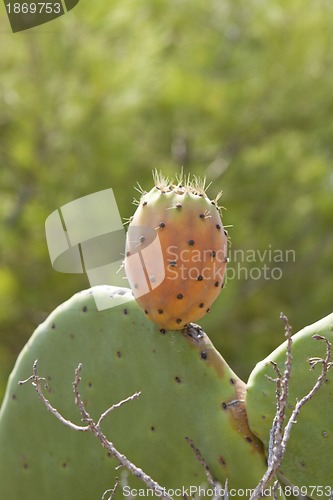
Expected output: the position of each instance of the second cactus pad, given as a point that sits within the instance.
(308, 462)
(176, 252)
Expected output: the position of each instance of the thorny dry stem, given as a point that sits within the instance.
(275, 489)
(226, 490)
(279, 435)
(111, 491)
(95, 428)
(211, 481)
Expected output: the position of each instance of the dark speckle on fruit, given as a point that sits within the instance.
(200, 278)
(160, 311)
(180, 296)
(201, 305)
(84, 309)
(178, 321)
(191, 242)
(203, 355)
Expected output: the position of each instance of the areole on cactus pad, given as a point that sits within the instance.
(176, 252)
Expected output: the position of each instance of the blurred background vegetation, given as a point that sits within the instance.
(237, 90)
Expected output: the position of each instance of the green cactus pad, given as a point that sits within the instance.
(187, 391)
(308, 459)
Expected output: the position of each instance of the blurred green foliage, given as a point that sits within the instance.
(239, 91)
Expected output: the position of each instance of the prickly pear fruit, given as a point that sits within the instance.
(308, 460)
(188, 390)
(176, 252)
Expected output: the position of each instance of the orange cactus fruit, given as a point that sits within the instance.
(176, 251)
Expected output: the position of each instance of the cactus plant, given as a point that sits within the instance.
(182, 285)
(307, 463)
(191, 417)
(188, 390)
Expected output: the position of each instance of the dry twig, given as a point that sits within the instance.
(111, 491)
(211, 481)
(279, 435)
(202, 462)
(95, 429)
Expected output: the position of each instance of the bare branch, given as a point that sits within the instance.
(112, 491)
(279, 436)
(226, 490)
(326, 365)
(118, 405)
(96, 430)
(284, 388)
(202, 462)
(275, 489)
(211, 481)
(36, 382)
